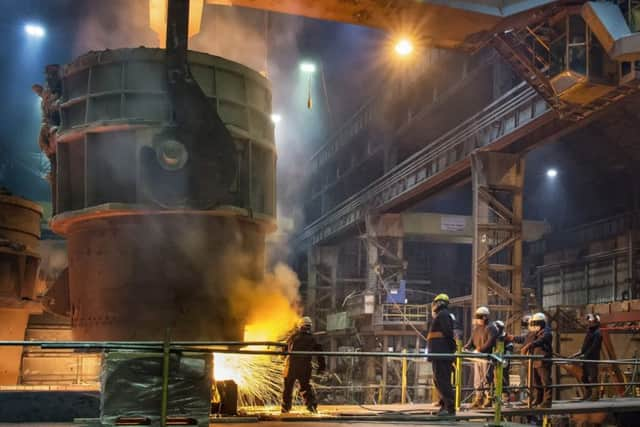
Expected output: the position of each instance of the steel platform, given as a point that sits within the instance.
(392, 415)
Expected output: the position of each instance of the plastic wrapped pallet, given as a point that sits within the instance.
(131, 383)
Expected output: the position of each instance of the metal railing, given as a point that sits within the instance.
(401, 313)
(499, 359)
(509, 113)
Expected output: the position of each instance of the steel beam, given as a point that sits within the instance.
(506, 120)
(498, 180)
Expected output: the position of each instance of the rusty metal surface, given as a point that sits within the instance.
(133, 277)
(14, 323)
(19, 239)
(153, 246)
(116, 114)
(20, 220)
(441, 23)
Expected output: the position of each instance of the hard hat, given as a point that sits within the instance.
(442, 297)
(537, 322)
(593, 318)
(538, 317)
(482, 311)
(306, 322)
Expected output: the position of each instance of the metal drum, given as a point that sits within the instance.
(142, 259)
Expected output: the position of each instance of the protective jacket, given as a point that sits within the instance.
(440, 338)
(483, 338)
(592, 344)
(541, 343)
(299, 365)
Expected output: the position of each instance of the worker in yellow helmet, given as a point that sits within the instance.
(440, 339)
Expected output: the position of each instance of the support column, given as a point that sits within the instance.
(312, 283)
(333, 361)
(322, 283)
(498, 180)
(372, 261)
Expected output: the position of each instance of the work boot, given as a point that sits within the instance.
(313, 409)
(545, 404)
(446, 412)
(595, 397)
(477, 401)
(487, 402)
(587, 395)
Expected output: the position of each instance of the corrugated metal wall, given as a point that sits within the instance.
(586, 282)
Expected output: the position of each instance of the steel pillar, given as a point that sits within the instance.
(498, 180)
(312, 283)
(322, 282)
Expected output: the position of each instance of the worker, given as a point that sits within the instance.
(457, 337)
(539, 342)
(482, 340)
(440, 339)
(298, 367)
(591, 347)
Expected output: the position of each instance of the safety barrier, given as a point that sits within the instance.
(498, 359)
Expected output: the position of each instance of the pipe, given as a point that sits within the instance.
(403, 392)
(165, 380)
(499, 368)
(458, 374)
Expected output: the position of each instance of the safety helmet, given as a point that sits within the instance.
(442, 297)
(593, 318)
(537, 322)
(482, 312)
(440, 301)
(305, 322)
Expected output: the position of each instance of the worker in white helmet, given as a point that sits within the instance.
(590, 350)
(298, 367)
(482, 340)
(539, 342)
